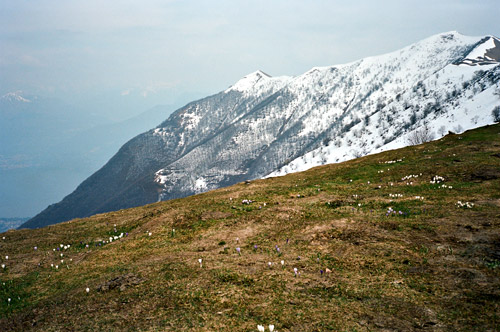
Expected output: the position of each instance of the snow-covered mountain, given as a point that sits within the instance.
(264, 126)
(420, 85)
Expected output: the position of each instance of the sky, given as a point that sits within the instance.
(80, 49)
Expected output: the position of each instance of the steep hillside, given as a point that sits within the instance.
(404, 240)
(265, 126)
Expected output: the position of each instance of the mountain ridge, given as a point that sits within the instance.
(275, 125)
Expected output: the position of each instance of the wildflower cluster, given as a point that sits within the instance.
(465, 205)
(437, 179)
(445, 186)
(261, 328)
(62, 247)
(393, 161)
(411, 176)
(246, 201)
(392, 212)
(396, 195)
(117, 237)
(419, 198)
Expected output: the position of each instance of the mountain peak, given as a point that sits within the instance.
(487, 52)
(15, 97)
(451, 33)
(250, 80)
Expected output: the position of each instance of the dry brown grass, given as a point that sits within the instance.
(435, 267)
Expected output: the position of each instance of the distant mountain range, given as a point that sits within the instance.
(264, 126)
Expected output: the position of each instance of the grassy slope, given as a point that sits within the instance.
(434, 267)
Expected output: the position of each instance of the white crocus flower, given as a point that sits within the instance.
(259, 327)
(271, 327)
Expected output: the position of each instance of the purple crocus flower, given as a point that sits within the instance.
(321, 271)
(238, 250)
(255, 247)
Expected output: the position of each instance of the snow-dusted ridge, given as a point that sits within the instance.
(463, 108)
(326, 100)
(268, 126)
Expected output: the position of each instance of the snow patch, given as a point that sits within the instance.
(200, 185)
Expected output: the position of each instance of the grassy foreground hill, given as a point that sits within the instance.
(399, 241)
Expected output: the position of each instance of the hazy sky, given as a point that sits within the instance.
(69, 47)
